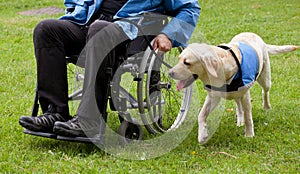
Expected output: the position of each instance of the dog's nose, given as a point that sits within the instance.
(171, 73)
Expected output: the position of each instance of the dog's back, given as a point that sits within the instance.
(257, 43)
(262, 49)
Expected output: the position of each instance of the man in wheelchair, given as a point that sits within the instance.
(77, 30)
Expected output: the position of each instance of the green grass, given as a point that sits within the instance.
(274, 149)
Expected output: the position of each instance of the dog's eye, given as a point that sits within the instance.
(186, 62)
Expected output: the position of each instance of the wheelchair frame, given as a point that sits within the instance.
(150, 106)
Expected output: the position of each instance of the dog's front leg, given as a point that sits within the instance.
(239, 112)
(246, 104)
(208, 106)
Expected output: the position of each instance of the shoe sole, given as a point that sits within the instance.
(40, 134)
(67, 132)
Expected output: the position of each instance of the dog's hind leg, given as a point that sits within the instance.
(264, 80)
(208, 106)
(239, 113)
(246, 104)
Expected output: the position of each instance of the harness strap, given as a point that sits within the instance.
(236, 82)
(235, 58)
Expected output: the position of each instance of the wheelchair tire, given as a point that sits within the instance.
(130, 131)
(166, 107)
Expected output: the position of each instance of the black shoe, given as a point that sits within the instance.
(42, 123)
(73, 128)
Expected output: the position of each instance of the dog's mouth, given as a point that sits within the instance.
(187, 82)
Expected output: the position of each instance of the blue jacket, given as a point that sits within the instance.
(179, 29)
(249, 64)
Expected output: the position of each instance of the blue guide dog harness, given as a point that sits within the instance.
(247, 70)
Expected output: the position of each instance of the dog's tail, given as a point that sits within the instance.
(275, 49)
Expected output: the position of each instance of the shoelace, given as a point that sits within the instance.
(48, 119)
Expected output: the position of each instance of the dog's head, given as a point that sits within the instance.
(198, 61)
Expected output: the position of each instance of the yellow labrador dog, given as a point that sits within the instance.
(228, 71)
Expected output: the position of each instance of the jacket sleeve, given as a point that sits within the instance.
(80, 11)
(185, 17)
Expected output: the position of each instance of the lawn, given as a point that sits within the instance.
(274, 149)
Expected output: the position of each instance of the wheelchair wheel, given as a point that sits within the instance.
(166, 107)
(75, 83)
(129, 131)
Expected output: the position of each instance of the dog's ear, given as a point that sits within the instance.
(211, 65)
(209, 58)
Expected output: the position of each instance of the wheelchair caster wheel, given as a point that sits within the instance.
(129, 131)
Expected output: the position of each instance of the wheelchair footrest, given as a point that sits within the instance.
(81, 140)
(41, 134)
(96, 141)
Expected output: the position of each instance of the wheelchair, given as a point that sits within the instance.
(140, 91)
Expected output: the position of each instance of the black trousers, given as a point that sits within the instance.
(107, 42)
(53, 41)
(56, 39)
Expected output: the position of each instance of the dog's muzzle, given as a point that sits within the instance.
(187, 82)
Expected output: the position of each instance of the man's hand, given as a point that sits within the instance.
(162, 43)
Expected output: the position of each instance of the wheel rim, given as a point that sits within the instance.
(167, 108)
(75, 83)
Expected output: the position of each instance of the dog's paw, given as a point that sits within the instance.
(202, 140)
(203, 136)
(249, 134)
(267, 107)
(240, 123)
(240, 120)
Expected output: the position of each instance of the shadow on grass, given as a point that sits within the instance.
(230, 136)
(63, 147)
